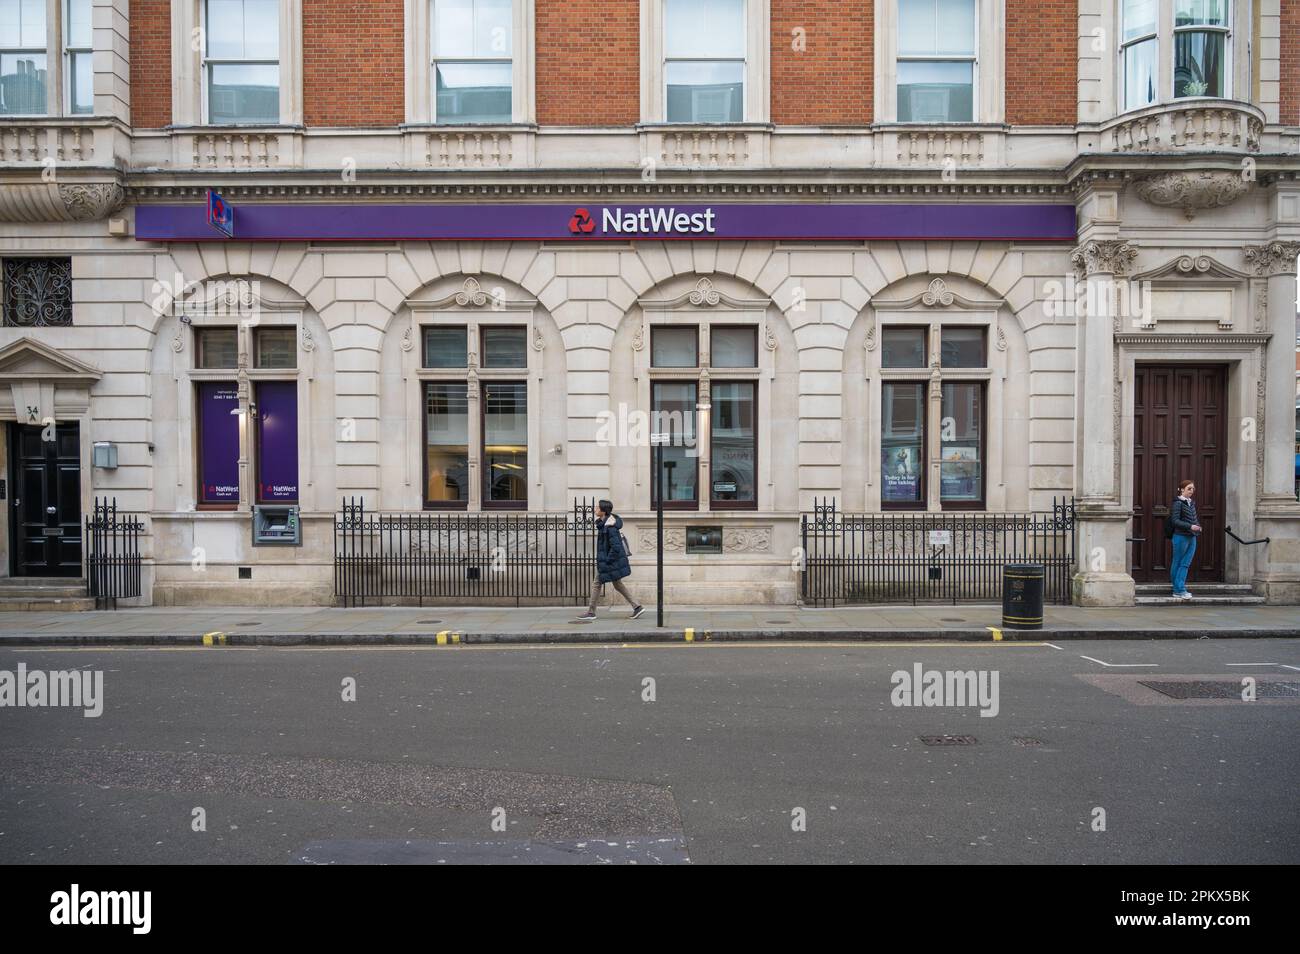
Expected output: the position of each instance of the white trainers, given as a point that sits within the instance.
(1185, 595)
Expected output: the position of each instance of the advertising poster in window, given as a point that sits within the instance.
(219, 443)
(277, 442)
(901, 472)
(960, 472)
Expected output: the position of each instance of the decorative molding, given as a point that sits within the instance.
(1261, 307)
(769, 339)
(937, 294)
(1190, 339)
(757, 539)
(37, 292)
(1001, 343)
(1275, 258)
(1190, 191)
(638, 339)
(870, 341)
(308, 342)
(471, 294)
(1103, 256)
(1261, 391)
(408, 339)
(704, 295)
(539, 342)
(178, 343)
(1192, 266)
(89, 201)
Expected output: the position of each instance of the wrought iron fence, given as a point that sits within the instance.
(112, 554)
(464, 558)
(931, 557)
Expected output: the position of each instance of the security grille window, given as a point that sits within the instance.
(37, 292)
(241, 61)
(936, 61)
(1200, 47)
(704, 61)
(472, 60)
(505, 444)
(276, 347)
(217, 348)
(445, 346)
(23, 59)
(504, 347)
(79, 74)
(446, 430)
(1140, 51)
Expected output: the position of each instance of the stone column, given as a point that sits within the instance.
(1101, 577)
(1277, 513)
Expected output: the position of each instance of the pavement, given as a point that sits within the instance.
(1095, 752)
(262, 625)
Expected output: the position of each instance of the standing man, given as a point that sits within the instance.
(1184, 531)
(611, 560)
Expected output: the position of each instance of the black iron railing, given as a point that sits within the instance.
(951, 557)
(464, 558)
(112, 554)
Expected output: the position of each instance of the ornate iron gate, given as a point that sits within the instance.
(112, 554)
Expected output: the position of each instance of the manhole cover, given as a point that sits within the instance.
(948, 739)
(1026, 740)
(1193, 689)
(428, 622)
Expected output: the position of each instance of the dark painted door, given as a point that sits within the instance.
(45, 491)
(1180, 430)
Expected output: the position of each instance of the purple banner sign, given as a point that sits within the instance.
(277, 442)
(219, 443)
(584, 222)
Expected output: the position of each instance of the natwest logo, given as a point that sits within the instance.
(582, 222)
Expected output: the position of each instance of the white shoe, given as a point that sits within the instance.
(1185, 595)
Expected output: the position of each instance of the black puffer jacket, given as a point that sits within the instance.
(611, 558)
(1183, 515)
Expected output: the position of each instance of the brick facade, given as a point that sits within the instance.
(353, 62)
(1290, 63)
(151, 63)
(1042, 62)
(822, 75)
(588, 62)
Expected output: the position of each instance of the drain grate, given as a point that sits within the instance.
(1199, 689)
(427, 622)
(948, 739)
(776, 621)
(950, 619)
(247, 624)
(1026, 740)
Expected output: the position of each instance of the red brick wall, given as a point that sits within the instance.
(1042, 62)
(588, 62)
(1290, 112)
(151, 63)
(829, 81)
(353, 63)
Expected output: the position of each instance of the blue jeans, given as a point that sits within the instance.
(1184, 550)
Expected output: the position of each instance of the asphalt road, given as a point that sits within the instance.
(491, 754)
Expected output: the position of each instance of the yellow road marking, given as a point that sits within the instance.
(729, 644)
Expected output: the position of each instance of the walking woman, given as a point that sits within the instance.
(1185, 529)
(611, 559)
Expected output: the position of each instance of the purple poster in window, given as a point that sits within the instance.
(219, 442)
(277, 441)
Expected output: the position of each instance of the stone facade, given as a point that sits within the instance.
(1195, 202)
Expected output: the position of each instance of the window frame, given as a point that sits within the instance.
(435, 60)
(452, 505)
(923, 486)
(69, 53)
(53, 63)
(205, 72)
(981, 502)
(714, 502)
(694, 502)
(973, 58)
(743, 60)
(1166, 41)
(197, 385)
(486, 503)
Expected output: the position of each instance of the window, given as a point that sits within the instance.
(903, 348)
(277, 441)
(445, 347)
(902, 444)
(734, 346)
(446, 430)
(37, 292)
(961, 347)
(79, 73)
(216, 348)
(218, 444)
(276, 347)
(241, 61)
(1139, 51)
(23, 61)
(704, 61)
(505, 347)
(936, 61)
(1200, 48)
(472, 60)
(961, 452)
(674, 347)
(673, 412)
(733, 451)
(505, 444)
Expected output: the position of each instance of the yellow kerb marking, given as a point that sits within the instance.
(214, 639)
(997, 633)
(447, 636)
(690, 635)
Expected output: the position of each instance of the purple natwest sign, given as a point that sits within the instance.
(277, 441)
(584, 222)
(219, 443)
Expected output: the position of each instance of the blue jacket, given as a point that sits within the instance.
(611, 558)
(1183, 514)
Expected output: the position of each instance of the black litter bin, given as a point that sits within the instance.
(1022, 596)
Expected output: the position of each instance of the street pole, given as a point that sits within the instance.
(659, 530)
